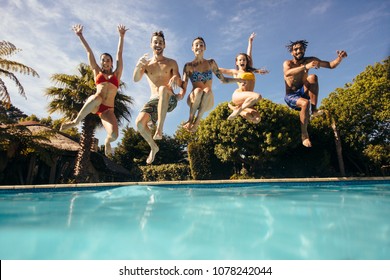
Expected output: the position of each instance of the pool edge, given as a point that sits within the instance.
(119, 184)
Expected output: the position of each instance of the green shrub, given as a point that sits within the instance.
(165, 172)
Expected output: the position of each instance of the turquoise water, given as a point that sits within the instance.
(344, 220)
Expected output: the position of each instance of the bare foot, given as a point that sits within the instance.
(306, 142)
(232, 107)
(194, 127)
(157, 136)
(67, 125)
(187, 126)
(234, 114)
(152, 154)
(316, 113)
(255, 120)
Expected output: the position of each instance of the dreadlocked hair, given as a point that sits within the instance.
(290, 46)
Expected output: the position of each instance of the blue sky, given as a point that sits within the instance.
(42, 29)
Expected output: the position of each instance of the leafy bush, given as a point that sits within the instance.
(165, 172)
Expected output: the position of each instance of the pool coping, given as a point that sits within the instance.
(198, 182)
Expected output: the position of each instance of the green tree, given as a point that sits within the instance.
(361, 111)
(11, 114)
(133, 149)
(7, 67)
(69, 97)
(253, 146)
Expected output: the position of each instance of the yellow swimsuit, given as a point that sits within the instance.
(246, 76)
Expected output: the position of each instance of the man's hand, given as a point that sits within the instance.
(341, 54)
(143, 61)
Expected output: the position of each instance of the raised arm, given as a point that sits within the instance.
(119, 59)
(78, 29)
(250, 42)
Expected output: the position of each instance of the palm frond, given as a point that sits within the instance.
(16, 81)
(7, 48)
(14, 66)
(5, 99)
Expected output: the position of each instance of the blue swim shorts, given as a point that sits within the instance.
(292, 98)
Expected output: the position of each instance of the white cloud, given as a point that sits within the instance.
(322, 7)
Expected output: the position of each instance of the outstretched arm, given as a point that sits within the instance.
(78, 29)
(230, 72)
(335, 62)
(220, 76)
(119, 60)
(316, 63)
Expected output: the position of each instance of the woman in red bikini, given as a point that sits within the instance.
(107, 82)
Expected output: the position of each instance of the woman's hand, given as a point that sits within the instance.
(78, 29)
(122, 29)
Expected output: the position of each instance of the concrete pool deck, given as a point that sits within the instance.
(195, 182)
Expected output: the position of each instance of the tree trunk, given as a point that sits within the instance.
(339, 149)
(83, 157)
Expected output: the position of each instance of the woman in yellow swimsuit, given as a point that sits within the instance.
(244, 98)
(107, 81)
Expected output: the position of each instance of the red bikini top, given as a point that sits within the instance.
(100, 78)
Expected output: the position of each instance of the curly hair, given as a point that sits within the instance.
(290, 46)
(159, 34)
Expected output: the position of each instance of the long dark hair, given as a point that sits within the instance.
(249, 64)
(109, 55)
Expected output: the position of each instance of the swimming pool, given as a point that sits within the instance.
(241, 221)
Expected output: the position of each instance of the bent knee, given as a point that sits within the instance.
(312, 78)
(139, 124)
(208, 90)
(304, 103)
(198, 90)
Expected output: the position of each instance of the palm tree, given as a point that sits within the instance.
(69, 98)
(7, 67)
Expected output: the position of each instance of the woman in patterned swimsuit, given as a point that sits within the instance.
(107, 82)
(200, 72)
(244, 98)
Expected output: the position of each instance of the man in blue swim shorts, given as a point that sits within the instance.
(301, 88)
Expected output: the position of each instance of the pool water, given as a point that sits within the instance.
(333, 220)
